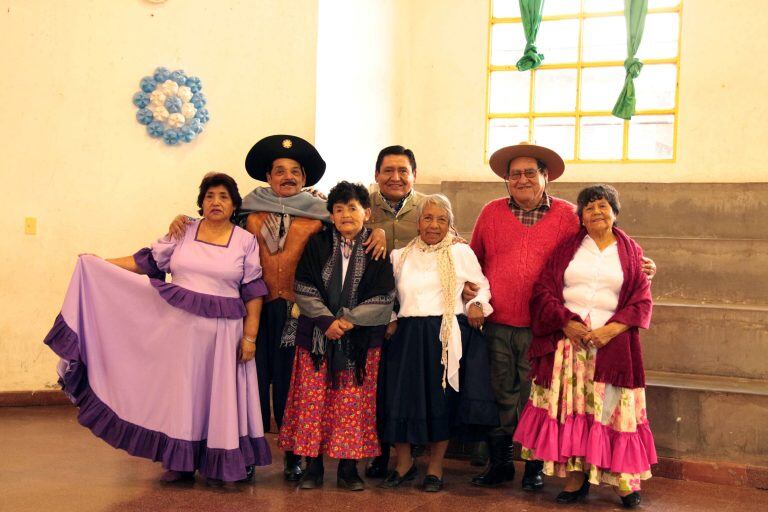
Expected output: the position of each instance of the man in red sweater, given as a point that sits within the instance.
(513, 238)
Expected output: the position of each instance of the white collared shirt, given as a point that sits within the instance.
(593, 280)
(418, 282)
(420, 293)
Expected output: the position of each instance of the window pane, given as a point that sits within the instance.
(651, 137)
(507, 43)
(601, 138)
(600, 87)
(656, 4)
(618, 5)
(510, 92)
(603, 5)
(553, 7)
(557, 133)
(555, 90)
(655, 87)
(506, 8)
(659, 36)
(605, 39)
(558, 41)
(506, 132)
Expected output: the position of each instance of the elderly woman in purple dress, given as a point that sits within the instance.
(165, 370)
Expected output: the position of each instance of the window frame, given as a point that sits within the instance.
(579, 66)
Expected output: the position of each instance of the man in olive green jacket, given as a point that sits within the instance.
(394, 205)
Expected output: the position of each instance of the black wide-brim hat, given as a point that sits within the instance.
(259, 159)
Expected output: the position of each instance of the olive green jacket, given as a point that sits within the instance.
(401, 228)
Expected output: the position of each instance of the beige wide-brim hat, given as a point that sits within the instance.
(500, 159)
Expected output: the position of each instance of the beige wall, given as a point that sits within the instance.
(388, 71)
(74, 157)
(722, 130)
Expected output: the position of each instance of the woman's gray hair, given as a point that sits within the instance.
(440, 201)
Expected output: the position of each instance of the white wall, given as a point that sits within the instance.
(722, 130)
(75, 158)
(358, 85)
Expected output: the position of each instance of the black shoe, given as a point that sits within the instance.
(574, 496)
(347, 477)
(313, 476)
(249, 473)
(500, 467)
(631, 500)
(418, 450)
(378, 466)
(394, 479)
(432, 484)
(175, 477)
(532, 476)
(292, 467)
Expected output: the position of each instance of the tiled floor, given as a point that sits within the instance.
(49, 462)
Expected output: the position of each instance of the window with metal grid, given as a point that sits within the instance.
(566, 103)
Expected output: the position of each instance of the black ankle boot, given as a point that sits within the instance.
(378, 466)
(313, 476)
(574, 496)
(347, 477)
(292, 467)
(532, 476)
(631, 500)
(500, 467)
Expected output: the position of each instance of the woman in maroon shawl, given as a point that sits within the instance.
(586, 417)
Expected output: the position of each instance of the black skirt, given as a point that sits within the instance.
(416, 408)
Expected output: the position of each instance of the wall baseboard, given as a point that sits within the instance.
(31, 398)
(721, 473)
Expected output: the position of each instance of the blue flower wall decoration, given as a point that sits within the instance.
(171, 106)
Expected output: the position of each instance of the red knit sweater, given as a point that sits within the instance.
(512, 255)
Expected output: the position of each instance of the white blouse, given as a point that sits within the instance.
(418, 282)
(420, 294)
(593, 280)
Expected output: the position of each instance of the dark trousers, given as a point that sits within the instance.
(508, 355)
(273, 364)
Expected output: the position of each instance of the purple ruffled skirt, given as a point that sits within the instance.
(156, 380)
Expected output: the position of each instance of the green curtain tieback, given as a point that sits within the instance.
(531, 58)
(633, 67)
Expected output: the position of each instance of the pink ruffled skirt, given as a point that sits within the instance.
(578, 424)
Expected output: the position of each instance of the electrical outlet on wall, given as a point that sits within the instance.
(30, 225)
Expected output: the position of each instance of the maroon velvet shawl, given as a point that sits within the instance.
(620, 362)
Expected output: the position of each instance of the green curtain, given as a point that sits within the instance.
(634, 13)
(530, 11)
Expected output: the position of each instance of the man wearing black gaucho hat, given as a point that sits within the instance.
(283, 217)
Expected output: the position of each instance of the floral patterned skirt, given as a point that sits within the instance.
(578, 424)
(319, 419)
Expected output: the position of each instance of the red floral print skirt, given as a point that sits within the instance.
(340, 423)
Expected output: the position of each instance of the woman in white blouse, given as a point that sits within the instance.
(586, 418)
(435, 372)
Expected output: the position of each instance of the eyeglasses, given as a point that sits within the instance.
(529, 173)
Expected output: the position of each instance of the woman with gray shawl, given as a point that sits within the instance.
(436, 377)
(345, 300)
